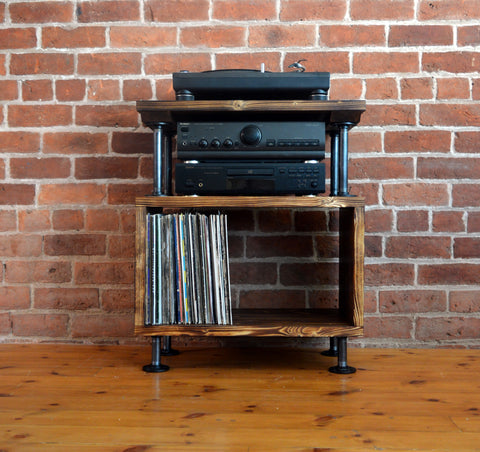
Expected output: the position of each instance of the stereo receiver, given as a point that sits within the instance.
(244, 141)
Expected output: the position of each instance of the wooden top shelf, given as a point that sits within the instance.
(328, 111)
(295, 202)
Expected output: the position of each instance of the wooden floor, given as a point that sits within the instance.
(97, 398)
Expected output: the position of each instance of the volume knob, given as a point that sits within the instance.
(251, 135)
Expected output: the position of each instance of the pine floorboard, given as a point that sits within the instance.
(96, 398)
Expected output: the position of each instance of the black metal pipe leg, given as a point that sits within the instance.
(167, 349)
(342, 367)
(333, 350)
(156, 365)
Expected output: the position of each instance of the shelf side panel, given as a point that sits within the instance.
(140, 266)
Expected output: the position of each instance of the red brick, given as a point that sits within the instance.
(362, 142)
(420, 35)
(164, 90)
(128, 220)
(281, 36)
(213, 37)
(34, 325)
(2, 12)
(415, 194)
(326, 246)
(39, 115)
(34, 220)
(41, 12)
(75, 245)
(72, 299)
(75, 143)
(442, 274)
(20, 245)
(378, 63)
(106, 168)
(109, 63)
(106, 115)
(398, 327)
(378, 220)
(249, 60)
(352, 35)
(104, 272)
(14, 297)
(227, 10)
(108, 11)
(451, 62)
(19, 142)
(383, 88)
(467, 141)
(309, 274)
(409, 301)
(373, 246)
(416, 88)
(473, 222)
(132, 143)
(313, 10)
(68, 220)
(39, 168)
(70, 90)
(102, 326)
(274, 220)
(448, 221)
(241, 220)
(70, 38)
(5, 324)
(381, 168)
(38, 271)
(253, 273)
(453, 88)
(18, 38)
(466, 195)
(3, 70)
(397, 114)
(464, 301)
(412, 221)
(381, 9)
(272, 299)
(350, 88)
(167, 63)
(448, 10)
(41, 90)
(137, 36)
(448, 168)
(417, 141)
(17, 194)
(73, 193)
(389, 274)
(41, 63)
(137, 90)
(121, 246)
(466, 247)
(125, 194)
(176, 10)
(8, 220)
(418, 247)
(102, 220)
(277, 246)
(323, 299)
(313, 221)
(8, 90)
(103, 90)
(118, 300)
(468, 35)
(452, 328)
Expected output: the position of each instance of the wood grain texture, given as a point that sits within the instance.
(96, 398)
(328, 111)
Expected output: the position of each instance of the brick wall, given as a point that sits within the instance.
(74, 156)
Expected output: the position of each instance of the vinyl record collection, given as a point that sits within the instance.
(188, 279)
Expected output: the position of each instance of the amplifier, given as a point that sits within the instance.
(249, 178)
(245, 141)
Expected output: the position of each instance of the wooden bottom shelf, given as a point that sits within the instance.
(266, 322)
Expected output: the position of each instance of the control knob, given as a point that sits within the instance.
(251, 135)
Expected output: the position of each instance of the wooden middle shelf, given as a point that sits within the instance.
(346, 321)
